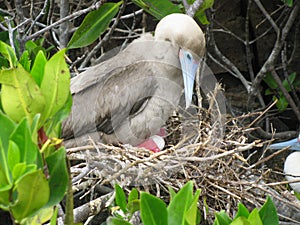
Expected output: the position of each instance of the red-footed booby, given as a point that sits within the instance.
(292, 162)
(128, 98)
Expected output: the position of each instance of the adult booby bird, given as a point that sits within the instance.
(292, 162)
(129, 97)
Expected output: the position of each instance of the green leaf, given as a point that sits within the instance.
(254, 218)
(58, 181)
(286, 84)
(37, 71)
(23, 138)
(180, 204)
(120, 198)
(13, 155)
(158, 8)
(171, 192)
(269, 91)
(25, 61)
(133, 206)
(240, 221)
(5, 176)
(200, 14)
(289, 3)
(41, 217)
(270, 81)
(153, 210)
(242, 211)
(133, 195)
(20, 96)
(116, 221)
(93, 25)
(268, 213)
(32, 194)
(55, 84)
(191, 214)
(221, 218)
(9, 54)
(7, 127)
(54, 217)
(282, 103)
(18, 170)
(53, 126)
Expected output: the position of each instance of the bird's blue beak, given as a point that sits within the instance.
(189, 68)
(294, 144)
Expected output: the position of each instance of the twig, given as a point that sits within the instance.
(194, 7)
(105, 38)
(285, 93)
(277, 47)
(67, 18)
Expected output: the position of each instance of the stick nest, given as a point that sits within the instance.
(227, 166)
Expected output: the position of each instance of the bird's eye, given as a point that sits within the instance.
(189, 56)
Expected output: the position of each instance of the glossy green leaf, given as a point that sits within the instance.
(240, 221)
(9, 54)
(37, 71)
(133, 206)
(32, 194)
(20, 97)
(268, 213)
(55, 84)
(18, 170)
(158, 8)
(53, 126)
(5, 175)
(242, 211)
(54, 217)
(200, 14)
(13, 155)
(153, 210)
(180, 204)
(93, 25)
(7, 127)
(171, 192)
(120, 198)
(58, 181)
(254, 218)
(221, 218)
(191, 213)
(23, 138)
(116, 221)
(41, 217)
(25, 61)
(133, 195)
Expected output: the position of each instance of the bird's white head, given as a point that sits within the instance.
(182, 31)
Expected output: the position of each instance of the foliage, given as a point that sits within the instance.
(182, 209)
(96, 22)
(267, 215)
(273, 89)
(35, 98)
(288, 2)
(93, 25)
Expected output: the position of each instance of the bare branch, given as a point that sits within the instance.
(276, 50)
(67, 18)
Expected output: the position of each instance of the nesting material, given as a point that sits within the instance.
(216, 155)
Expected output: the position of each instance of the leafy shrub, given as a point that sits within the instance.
(35, 98)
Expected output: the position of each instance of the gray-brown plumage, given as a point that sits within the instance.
(128, 98)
